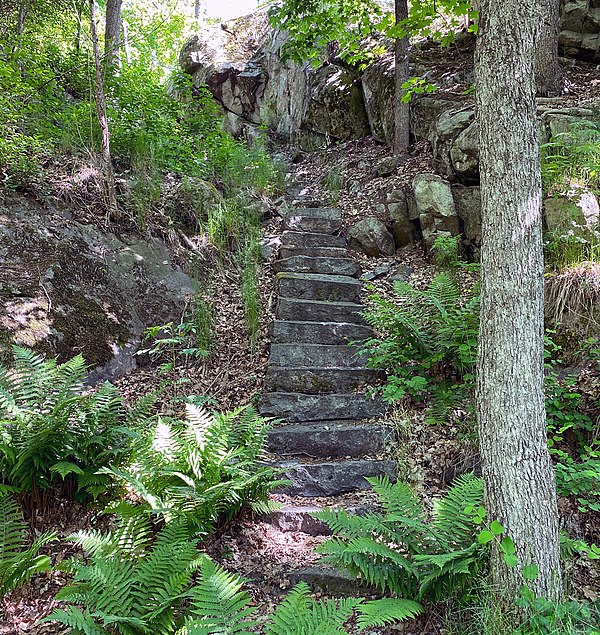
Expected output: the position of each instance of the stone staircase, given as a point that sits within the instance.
(316, 381)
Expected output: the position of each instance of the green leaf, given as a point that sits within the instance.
(510, 560)
(485, 536)
(496, 528)
(531, 571)
(508, 546)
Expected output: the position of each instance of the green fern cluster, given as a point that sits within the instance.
(404, 552)
(203, 469)
(18, 563)
(427, 341)
(55, 432)
(134, 585)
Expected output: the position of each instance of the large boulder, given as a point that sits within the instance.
(464, 153)
(580, 29)
(68, 287)
(240, 62)
(371, 236)
(435, 204)
(379, 89)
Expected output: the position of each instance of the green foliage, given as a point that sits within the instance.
(416, 86)
(574, 444)
(427, 340)
(572, 158)
(54, 431)
(359, 28)
(401, 550)
(202, 470)
(18, 563)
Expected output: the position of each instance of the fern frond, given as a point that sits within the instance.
(387, 611)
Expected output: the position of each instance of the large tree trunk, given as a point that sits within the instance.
(111, 193)
(519, 479)
(401, 109)
(548, 74)
(112, 34)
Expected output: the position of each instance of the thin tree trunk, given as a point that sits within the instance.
(113, 208)
(112, 35)
(519, 479)
(401, 109)
(548, 73)
(197, 8)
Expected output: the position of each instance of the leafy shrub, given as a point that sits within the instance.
(17, 562)
(403, 552)
(53, 432)
(201, 470)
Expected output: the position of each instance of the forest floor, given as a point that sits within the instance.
(430, 455)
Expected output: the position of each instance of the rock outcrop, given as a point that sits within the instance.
(69, 288)
(580, 29)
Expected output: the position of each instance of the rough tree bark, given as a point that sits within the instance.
(111, 193)
(548, 73)
(401, 109)
(519, 480)
(112, 34)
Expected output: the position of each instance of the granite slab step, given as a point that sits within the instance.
(316, 311)
(309, 239)
(300, 407)
(313, 381)
(328, 266)
(330, 439)
(318, 286)
(289, 251)
(327, 580)
(320, 355)
(333, 478)
(290, 332)
(322, 220)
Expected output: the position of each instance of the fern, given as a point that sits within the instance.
(299, 614)
(54, 433)
(17, 562)
(386, 611)
(203, 469)
(401, 550)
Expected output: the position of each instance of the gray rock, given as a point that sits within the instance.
(313, 311)
(268, 246)
(318, 286)
(331, 479)
(68, 287)
(437, 211)
(317, 355)
(372, 237)
(375, 273)
(334, 440)
(306, 239)
(402, 273)
(464, 152)
(294, 519)
(326, 579)
(379, 90)
(387, 166)
(312, 381)
(328, 266)
(574, 14)
(468, 207)
(299, 407)
(318, 332)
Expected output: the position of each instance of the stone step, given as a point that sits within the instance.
(309, 239)
(288, 251)
(328, 266)
(330, 440)
(327, 580)
(320, 220)
(318, 355)
(302, 407)
(318, 286)
(312, 381)
(315, 311)
(290, 332)
(333, 478)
